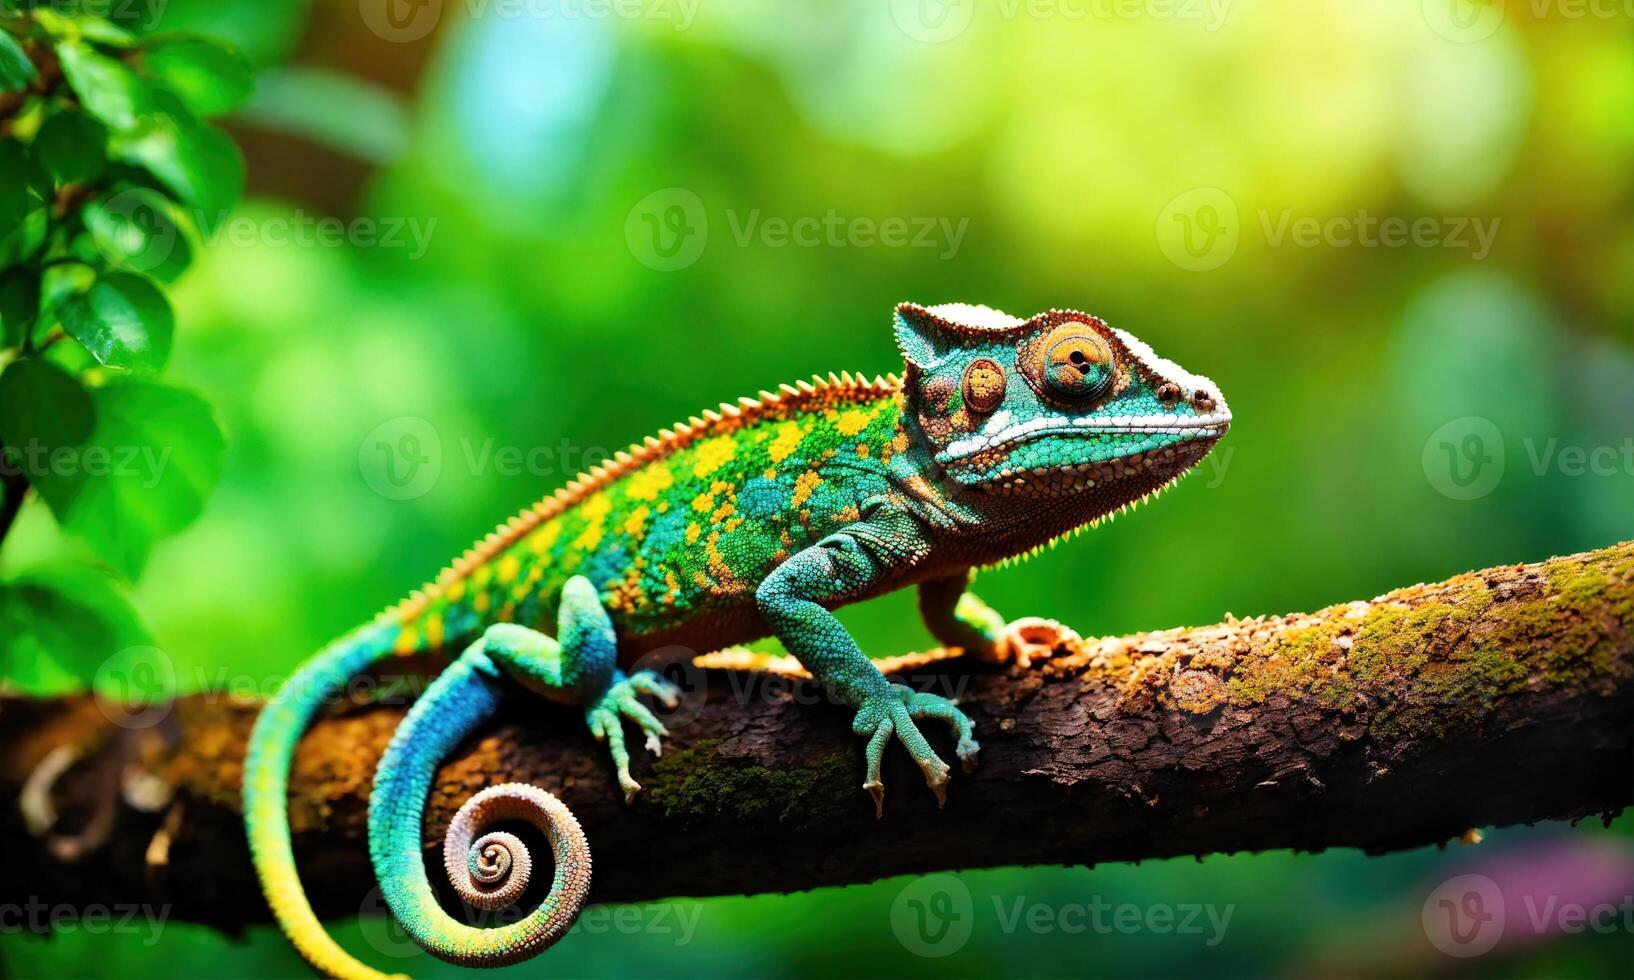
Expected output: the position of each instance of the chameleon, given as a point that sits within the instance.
(1000, 436)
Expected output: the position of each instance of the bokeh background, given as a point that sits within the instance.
(597, 210)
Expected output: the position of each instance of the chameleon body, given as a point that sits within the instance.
(757, 519)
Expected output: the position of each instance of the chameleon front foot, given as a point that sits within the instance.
(618, 703)
(893, 713)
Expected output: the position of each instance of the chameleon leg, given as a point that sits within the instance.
(491, 870)
(959, 618)
(793, 601)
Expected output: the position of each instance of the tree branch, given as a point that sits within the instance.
(1497, 697)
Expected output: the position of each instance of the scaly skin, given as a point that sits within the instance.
(757, 519)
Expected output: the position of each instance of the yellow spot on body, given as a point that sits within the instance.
(649, 481)
(456, 590)
(705, 502)
(508, 567)
(480, 575)
(595, 512)
(854, 421)
(803, 486)
(434, 630)
(721, 513)
(771, 473)
(636, 521)
(407, 640)
(663, 507)
(480, 602)
(712, 454)
(693, 530)
(862, 450)
(544, 539)
(788, 439)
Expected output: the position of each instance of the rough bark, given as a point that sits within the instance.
(1494, 698)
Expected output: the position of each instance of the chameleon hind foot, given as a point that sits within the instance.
(1032, 638)
(606, 717)
(893, 713)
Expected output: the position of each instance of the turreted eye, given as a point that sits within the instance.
(983, 385)
(1078, 364)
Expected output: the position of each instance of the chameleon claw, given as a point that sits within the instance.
(618, 704)
(876, 789)
(936, 777)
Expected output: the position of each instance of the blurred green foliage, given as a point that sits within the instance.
(108, 171)
(496, 279)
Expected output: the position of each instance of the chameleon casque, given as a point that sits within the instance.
(754, 520)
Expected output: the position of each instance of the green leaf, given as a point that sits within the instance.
(208, 78)
(152, 458)
(134, 228)
(72, 147)
(19, 306)
(24, 218)
(16, 70)
(66, 624)
(194, 160)
(43, 409)
(123, 320)
(106, 87)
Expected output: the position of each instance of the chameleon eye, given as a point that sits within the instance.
(1078, 364)
(983, 385)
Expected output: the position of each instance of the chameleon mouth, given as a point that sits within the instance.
(1200, 428)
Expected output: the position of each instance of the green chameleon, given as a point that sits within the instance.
(760, 518)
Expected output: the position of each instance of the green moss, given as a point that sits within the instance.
(1452, 657)
(696, 784)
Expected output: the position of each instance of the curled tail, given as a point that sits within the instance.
(489, 870)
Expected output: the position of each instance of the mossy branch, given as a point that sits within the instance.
(1494, 698)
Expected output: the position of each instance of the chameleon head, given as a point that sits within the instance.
(1059, 405)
